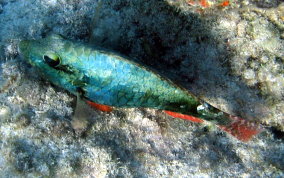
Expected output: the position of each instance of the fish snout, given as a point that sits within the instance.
(23, 46)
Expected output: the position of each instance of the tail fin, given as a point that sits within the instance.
(242, 129)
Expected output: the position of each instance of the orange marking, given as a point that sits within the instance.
(225, 3)
(203, 3)
(183, 116)
(100, 107)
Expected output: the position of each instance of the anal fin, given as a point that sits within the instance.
(100, 107)
(183, 116)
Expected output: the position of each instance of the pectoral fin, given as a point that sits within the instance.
(82, 116)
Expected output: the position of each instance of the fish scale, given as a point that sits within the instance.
(108, 78)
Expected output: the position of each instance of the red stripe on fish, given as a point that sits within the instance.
(183, 116)
(100, 107)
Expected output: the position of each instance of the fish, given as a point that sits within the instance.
(107, 80)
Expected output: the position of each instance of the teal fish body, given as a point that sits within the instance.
(105, 77)
(110, 79)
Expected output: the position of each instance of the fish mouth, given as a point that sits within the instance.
(24, 48)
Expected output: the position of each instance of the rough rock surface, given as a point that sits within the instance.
(230, 56)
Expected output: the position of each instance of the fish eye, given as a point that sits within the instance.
(51, 59)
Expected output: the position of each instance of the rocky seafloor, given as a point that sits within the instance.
(230, 56)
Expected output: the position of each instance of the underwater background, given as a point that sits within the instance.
(229, 53)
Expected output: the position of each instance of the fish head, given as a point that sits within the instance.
(47, 56)
(43, 53)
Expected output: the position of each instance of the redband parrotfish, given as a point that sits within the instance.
(106, 79)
